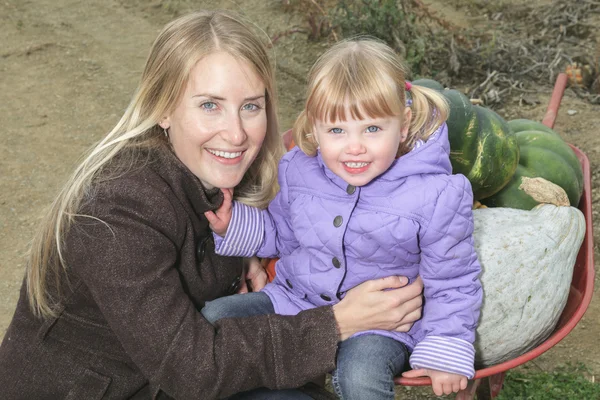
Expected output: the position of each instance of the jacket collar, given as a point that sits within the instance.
(432, 157)
(335, 179)
(185, 184)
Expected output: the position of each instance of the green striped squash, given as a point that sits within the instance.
(544, 154)
(482, 145)
(522, 124)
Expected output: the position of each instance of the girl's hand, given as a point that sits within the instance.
(441, 382)
(255, 276)
(219, 220)
(385, 303)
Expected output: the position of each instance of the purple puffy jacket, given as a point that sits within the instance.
(414, 219)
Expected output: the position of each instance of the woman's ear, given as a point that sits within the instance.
(405, 124)
(165, 123)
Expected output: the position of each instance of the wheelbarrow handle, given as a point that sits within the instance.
(553, 106)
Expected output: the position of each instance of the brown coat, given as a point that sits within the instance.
(130, 327)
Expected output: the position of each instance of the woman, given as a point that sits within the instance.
(124, 260)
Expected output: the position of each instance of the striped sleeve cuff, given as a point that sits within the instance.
(245, 233)
(446, 354)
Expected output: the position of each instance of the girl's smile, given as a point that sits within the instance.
(359, 150)
(356, 167)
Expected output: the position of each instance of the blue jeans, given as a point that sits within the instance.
(246, 305)
(366, 365)
(238, 305)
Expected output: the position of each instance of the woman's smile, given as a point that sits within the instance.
(218, 127)
(227, 157)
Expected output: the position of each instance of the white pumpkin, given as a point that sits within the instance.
(527, 260)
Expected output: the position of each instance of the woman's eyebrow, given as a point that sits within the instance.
(211, 96)
(260, 96)
(208, 95)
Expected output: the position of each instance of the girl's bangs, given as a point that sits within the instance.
(355, 97)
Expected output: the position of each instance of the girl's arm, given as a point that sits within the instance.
(450, 272)
(441, 382)
(265, 233)
(220, 219)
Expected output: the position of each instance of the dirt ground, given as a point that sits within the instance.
(68, 69)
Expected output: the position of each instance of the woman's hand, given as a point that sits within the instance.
(255, 276)
(441, 382)
(385, 303)
(219, 221)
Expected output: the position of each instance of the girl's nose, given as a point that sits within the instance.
(355, 147)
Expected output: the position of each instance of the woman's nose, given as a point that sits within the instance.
(235, 134)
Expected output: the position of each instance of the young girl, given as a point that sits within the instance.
(367, 193)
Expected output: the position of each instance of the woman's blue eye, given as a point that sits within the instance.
(373, 128)
(250, 107)
(336, 130)
(209, 105)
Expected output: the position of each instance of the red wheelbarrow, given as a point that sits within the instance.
(488, 382)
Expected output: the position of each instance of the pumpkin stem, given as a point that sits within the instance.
(477, 204)
(544, 191)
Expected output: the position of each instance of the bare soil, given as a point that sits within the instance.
(68, 69)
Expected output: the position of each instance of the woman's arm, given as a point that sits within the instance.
(385, 303)
(129, 264)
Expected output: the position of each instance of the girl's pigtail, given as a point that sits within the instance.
(429, 111)
(303, 135)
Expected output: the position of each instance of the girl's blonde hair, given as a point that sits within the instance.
(180, 45)
(366, 78)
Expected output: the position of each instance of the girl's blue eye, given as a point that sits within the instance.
(209, 105)
(336, 130)
(372, 129)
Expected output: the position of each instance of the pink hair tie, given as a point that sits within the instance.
(407, 87)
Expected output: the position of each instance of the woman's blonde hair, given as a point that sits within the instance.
(180, 45)
(365, 77)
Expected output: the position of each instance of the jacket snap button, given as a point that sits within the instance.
(336, 263)
(340, 294)
(350, 189)
(289, 283)
(201, 249)
(235, 285)
(337, 221)
(325, 297)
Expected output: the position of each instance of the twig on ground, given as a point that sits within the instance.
(278, 36)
